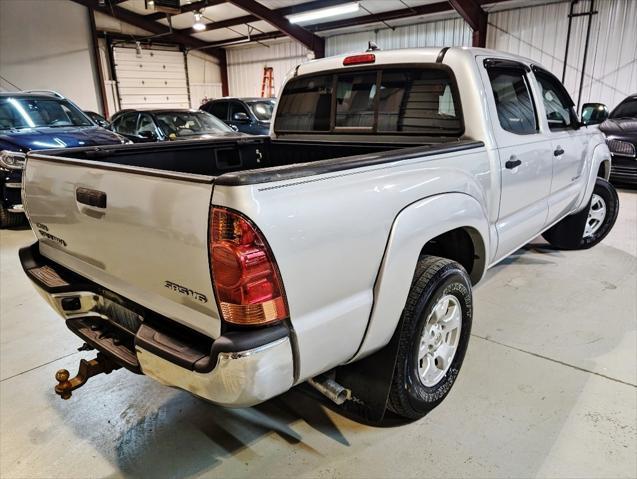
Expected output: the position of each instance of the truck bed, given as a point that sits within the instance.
(214, 158)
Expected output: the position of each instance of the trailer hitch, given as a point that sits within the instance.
(101, 364)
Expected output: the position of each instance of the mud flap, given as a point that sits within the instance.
(370, 381)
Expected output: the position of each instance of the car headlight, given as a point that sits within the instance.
(623, 148)
(12, 160)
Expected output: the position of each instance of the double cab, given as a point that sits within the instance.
(340, 251)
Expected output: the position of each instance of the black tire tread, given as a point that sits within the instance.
(9, 220)
(426, 269)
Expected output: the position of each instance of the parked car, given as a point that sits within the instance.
(341, 250)
(248, 115)
(168, 124)
(621, 137)
(36, 120)
(97, 118)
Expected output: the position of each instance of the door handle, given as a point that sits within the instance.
(88, 197)
(558, 152)
(512, 164)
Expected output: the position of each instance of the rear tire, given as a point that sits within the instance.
(8, 219)
(589, 227)
(436, 325)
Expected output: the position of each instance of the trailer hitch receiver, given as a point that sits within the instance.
(101, 364)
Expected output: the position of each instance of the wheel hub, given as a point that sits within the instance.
(439, 340)
(596, 215)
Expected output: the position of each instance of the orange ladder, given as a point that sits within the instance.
(267, 82)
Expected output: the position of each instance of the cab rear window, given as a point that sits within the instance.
(421, 101)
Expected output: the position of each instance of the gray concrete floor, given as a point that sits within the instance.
(548, 389)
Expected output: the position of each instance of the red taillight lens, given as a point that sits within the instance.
(359, 59)
(245, 276)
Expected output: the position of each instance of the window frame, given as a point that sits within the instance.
(575, 121)
(379, 69)
(504, 65)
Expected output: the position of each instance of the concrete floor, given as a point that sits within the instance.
(548, 389)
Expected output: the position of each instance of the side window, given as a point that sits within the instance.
(220, 110)
(513, 100)
(236, 107)
(557, 103)
(146, 123)
(126, 124)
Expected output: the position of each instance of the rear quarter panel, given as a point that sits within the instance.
(329, 232)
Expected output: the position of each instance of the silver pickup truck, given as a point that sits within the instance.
(340, 251)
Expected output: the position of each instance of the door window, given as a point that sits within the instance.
(558, 105)
(126, 124)
(513, 100)
(220, 110)
(146, 123)
(237, 107)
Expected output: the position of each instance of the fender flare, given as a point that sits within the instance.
(412, 228)
(600, 156)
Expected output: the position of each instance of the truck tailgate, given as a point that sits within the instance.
(139, 232)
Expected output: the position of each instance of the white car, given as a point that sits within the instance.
(341, 250)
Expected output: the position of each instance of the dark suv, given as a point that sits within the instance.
(36, 121)
(247, 115)
(621, 137)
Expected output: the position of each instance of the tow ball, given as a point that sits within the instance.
(101, 364)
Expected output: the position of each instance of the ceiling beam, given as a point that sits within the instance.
(475, 16)
(232, 22)
(351, 22)
(187, 8)
(300, 34)
(140, 21)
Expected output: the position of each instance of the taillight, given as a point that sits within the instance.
(245, 276)
(360, 59)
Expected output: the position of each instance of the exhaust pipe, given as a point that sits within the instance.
(330, 389)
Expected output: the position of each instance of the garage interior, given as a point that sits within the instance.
(549, 384)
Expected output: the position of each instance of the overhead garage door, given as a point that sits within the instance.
(153, 79)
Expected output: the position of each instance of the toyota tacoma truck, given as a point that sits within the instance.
(340, 251)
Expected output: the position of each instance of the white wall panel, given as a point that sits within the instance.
(540, 33)
(245, 65)
(204, 78)
(450, 32)
(47, 45)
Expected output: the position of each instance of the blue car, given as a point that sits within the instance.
(247, 115)
(39, 120)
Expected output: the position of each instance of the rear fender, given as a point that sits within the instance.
(412, 229)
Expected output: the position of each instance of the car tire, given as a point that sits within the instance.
(587, 228)
(8, 219)
(439, 299)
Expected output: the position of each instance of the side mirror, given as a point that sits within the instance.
(148, 135)
(594, 113)
(103, 123)
(241, 117)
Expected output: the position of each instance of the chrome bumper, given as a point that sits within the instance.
(238, 379)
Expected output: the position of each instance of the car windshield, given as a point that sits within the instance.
(190, 123)
(627, 109)
(262, 109)
(16, 113)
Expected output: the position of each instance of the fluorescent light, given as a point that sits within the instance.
(198, 25)
(324, 13)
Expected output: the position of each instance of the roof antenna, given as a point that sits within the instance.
(372, 47)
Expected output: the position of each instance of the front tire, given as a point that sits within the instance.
(436, 325)
(589, 227)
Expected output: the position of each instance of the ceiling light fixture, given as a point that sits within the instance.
(198, 25)
(324, 13)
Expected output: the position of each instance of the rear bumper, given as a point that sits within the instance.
(240, 368)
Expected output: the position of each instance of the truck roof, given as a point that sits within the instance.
(404, 56)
